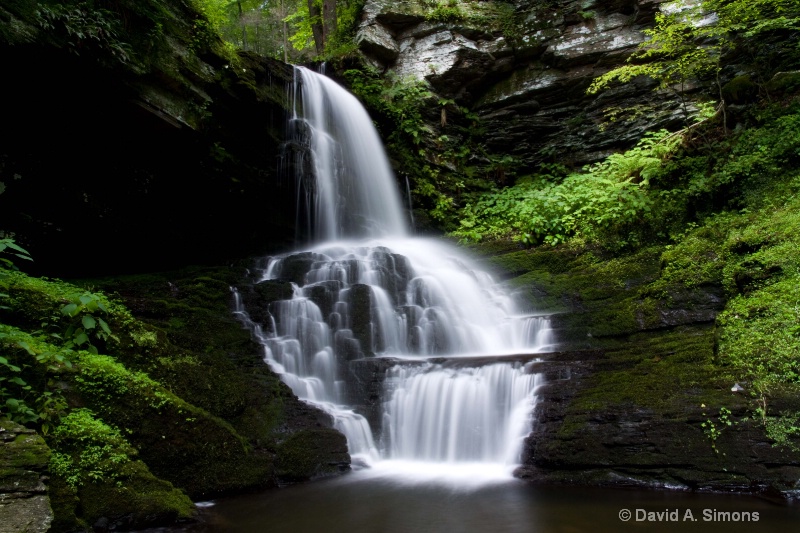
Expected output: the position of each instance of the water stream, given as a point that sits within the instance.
(366, 291)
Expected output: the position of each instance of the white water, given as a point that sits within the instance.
(331, 122)
(370, 290)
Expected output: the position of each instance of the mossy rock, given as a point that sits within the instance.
(311, 454)
(226, 440)
(141, 501)
(740, 90)
(784, 83)
(180, 442)
(184, 344)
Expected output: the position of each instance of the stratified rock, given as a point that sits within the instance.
(24, 503)
(529, 89)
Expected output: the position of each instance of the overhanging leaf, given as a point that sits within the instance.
(104, 326)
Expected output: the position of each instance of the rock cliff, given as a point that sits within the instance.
(524, 67)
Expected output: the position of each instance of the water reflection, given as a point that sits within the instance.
(369, 501)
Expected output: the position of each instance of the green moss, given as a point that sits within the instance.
(679, 324)
(657, 371)
(187, 345)
(739, 90)
(97, 466)
(28, 451)
(65, 504)
(141, 501)
(306, 454)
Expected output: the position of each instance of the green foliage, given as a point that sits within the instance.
(86, 28)
(27, 385)
(670, 55)
(784, 430)
(685, 46)
(754, 18)
(713, 430)
(9, 246)
(89, 450)
(759, 336)
(84, 310)
(301, 21)
(649, 192)
(60, 321)
(606, 198)
(400, 99)
(448, 11)
(342, 43)
(11, 387)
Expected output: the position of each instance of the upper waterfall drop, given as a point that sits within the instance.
(354, 193)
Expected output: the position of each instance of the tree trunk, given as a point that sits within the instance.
(329, 18)
(315, 14)
(285, 34)
(244, 26)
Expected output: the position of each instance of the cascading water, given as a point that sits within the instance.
(349, 191)
(418, 302)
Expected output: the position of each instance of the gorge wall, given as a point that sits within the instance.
(146, 148)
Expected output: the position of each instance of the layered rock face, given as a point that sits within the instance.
(528, 81)
(24, 504)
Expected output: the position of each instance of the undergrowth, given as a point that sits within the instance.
(651, 192)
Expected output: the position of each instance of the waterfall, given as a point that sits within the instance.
(472, 414)
(350, 188)
(366, 291)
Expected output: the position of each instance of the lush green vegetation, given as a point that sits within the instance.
(291, 30)
(301, 30)
(607, 198)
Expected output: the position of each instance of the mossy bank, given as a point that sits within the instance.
(676, 364)
(174, 404)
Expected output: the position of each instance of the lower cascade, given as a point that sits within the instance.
(415, 312)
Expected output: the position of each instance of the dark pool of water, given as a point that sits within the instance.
(360, 502)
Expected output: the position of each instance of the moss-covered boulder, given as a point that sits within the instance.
(114, 489)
